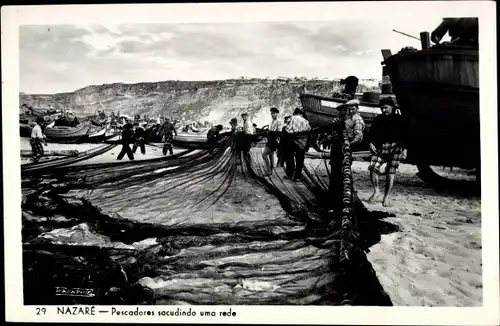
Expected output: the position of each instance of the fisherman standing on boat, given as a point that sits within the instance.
(387, 138)
(140, 135)
(168, 135)
(462, 31)
(272, 144)
(127, 139)
(295, 144)
(37, 137)
(350, 86)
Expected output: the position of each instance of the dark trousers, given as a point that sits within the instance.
(167, 146)
(126, 150)
(294, 159)
(139, 143)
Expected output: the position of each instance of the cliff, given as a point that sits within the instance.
(215, 101)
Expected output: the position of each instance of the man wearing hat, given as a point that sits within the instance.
(169, 130)
(248, 128)
(213, 136)
(272, 144)
(234, 124)
(127, 139)
(295, 136)
(354, 124)
(140, 138)
(37, 137)
(246, 141)
(387, 138)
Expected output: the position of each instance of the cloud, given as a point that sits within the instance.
(65, 57)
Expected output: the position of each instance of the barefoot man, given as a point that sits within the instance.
(37, 138)
(273, 135)
(296, 145)
(386, 139)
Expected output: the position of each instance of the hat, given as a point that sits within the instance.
(298, 111)
(386, 101)
(244, 114)
(274, 110)
(352, 102)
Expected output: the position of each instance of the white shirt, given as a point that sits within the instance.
(248, 127)
(37, 132)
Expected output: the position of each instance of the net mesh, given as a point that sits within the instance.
(201, 227)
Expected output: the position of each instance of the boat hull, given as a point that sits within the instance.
(97, 134)
(320, 110)
(64, 134)
(438, 94)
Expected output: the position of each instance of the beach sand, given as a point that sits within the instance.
(435, 259)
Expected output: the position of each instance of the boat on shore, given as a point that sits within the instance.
(438, 93)
(320, 110)
(65, 134)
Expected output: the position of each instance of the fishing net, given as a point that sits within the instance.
(204, 226)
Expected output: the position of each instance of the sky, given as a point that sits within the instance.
(64, 58)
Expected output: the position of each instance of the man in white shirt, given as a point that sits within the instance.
(273, 135)
(37, 137)
(296, 149)
(246, 141)
(247, 124)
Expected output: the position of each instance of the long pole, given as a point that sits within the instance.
(406, 34)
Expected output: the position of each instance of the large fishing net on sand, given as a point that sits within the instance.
(204, 226)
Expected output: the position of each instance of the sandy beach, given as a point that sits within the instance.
(435, 258)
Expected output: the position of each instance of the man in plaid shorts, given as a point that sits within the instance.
(37, 138)
(386, 139)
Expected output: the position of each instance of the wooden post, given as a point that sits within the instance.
(425, 40)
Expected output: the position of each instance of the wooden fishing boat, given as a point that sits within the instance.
(63, 134)
(41, 112)
(438, 93)
(97, 134)
(25, 129)
(321, 110)
(26, 126)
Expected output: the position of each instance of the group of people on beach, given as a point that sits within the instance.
(287, 142)
(136, 134)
